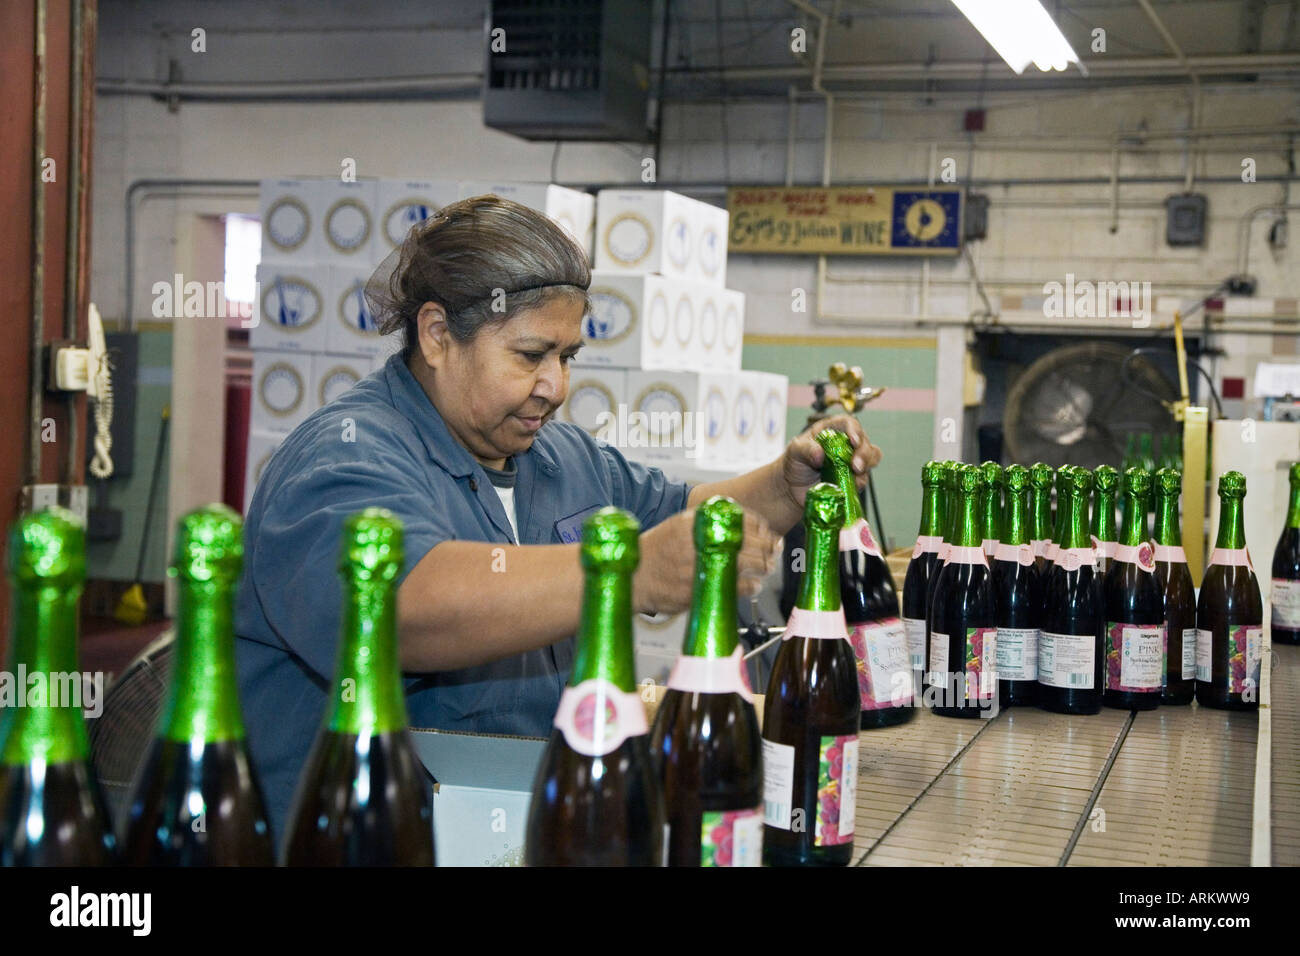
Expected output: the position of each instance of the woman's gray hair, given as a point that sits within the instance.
(483, 259)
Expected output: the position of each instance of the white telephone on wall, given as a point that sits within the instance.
(89, 371)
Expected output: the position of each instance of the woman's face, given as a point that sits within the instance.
(495, 391)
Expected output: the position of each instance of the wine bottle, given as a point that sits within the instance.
(1062, 513)
(812, 709)
(1017, 598)
(991, 507)
(53, 811)
(1180, 597)
(923, 567)
(196, 800)
(950, 497)
(596, 798)
(869, 601)
(1105, 483)
(1135, 608)
(1070, 655)
(1286, 570)
(962, 679)
(705, 742)
(1040, 513)
(1229, 612)
(361, 799)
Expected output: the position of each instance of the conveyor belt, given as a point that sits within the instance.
(1284, 715)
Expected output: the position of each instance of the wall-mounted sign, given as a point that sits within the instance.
(845, 220)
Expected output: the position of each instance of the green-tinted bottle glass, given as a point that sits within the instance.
(991, 506)
(1285, 587)
(705, 742)
(1105, 491)
(361, 799)
(197, 801)
(1135, 642)
(1229, 611)
(811, 712)
(1017, 597)
(596, 798)
(1040, 511)
(1180, 597)
(924, 567)
(53, 811)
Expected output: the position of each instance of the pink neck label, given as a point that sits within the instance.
(1040, 546)
(960, 555)
(1172, 553)
(596, 717)
(824, 625)
(1074, 558)
(858, 537)
(1143, 555)
(1019, 553)
(712, 675)
(1103, 549)
(927, 544)
(1231, 557)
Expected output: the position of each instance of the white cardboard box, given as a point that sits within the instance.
(745, 417)
(282, 392)
(289, 223)
(261, 446)
(332, 375)
(291, 307)
(350, 326)
(594, 393)
(346, 212)
(721, 328)
(574, 211)
(404, 203)
(658, 231)
(774, 401)
(677, 417)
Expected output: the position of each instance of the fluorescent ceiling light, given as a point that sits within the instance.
(1021, 31)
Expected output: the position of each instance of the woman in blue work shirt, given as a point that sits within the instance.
(454, 435)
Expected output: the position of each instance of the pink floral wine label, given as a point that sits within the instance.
(858, 537)
(1135, 656)
(1232, 557)
(1143, 555)
(1071, 559)
(826, 625)
(1021, 554)
(732, 838)
(596, 716)
(1171, 553)
(1245, 657)
(961, 555)
(981, 663)
(712, 675)
(837, 790)
(927, 544)
(884, 663)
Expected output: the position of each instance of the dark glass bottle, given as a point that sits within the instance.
(596, 798)
(991, 507)
(197, 801)
(361, 799)
(1017, 598)
(923, 568)
(951, 469)
(1040, 513)
(1286, 570)
(1229, 612)
(962, 678)
(1105, 485)
(869, 601)
(705, 743)
(53, 811)
(1070, 658)
(1180, 597)
(811, 711)
(1135, 608)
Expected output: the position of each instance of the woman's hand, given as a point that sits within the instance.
(801, 466)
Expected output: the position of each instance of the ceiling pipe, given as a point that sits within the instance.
(1191, 73)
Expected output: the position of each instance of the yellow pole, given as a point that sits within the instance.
(1196, 434)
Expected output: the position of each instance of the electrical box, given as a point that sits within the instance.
(1185, 217)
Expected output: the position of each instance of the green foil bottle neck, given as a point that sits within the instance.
(203, 693)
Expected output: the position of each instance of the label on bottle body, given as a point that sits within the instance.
(1135, 657)
(979, 656)
(778, 783)
(837, 790)
(927, 544)
(1021, 554)
(1074, 558)
(821, 625)
(1191, 641)
(884, 663)
(1286, 603)
(938, 673)
(858, 537)
(1204, 655)
(1067, 660)
(596, 717)
(1017, 653)
(731, 838)
(1245, 658)
(1171, 553)
(915, 628)
(712, 675)
(1231, 557)
(1143, 555)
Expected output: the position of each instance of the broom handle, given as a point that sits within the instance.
(153, 486)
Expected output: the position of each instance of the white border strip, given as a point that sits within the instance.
(1261, 829)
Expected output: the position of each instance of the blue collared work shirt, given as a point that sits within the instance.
(383, 443)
